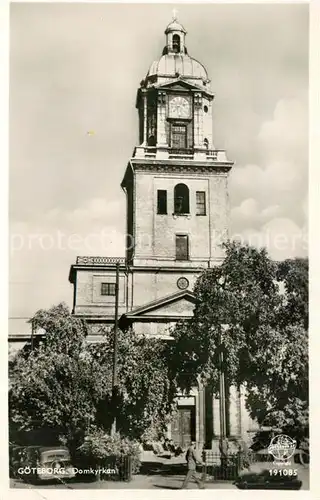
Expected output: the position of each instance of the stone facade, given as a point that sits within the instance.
(153, 234)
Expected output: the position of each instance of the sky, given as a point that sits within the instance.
(74, 73)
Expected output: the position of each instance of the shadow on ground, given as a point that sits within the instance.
(162, 487)
(162, 469)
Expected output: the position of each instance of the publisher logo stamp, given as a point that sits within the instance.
(282, 447)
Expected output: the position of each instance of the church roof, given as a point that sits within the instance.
(172, 65)
(175, 26)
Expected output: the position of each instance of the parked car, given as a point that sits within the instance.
(302, 457)
(264, 481)
(41, 463)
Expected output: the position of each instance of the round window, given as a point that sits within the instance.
(205, 109)
(182, 283)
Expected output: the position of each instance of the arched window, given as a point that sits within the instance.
(206, 143)
(176, 43)
(181, 199)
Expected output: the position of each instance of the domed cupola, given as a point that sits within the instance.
(174, 102)
(175, 33)
(175, 61)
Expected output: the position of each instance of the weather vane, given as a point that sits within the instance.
(174, 14)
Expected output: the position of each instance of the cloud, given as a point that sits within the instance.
(286, 135)
(269, 200)
(249, 212)
(95, 227)
(271, 211)
(248, 208)
(42, 250)
(282, 237)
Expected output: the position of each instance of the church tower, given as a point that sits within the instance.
(177, 217)
(176, 181)
(176, 187)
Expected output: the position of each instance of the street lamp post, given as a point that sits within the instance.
(222, 398)
(115, 348)
(32, 334)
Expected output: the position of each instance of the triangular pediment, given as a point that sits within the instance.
(178, 305)
(182, 85)
(182, 307)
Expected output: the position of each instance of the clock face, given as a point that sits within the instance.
(179, 107)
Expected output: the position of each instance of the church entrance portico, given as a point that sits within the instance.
(183, 426)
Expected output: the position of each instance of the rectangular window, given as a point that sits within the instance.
(178, 136)
(108, 288)
(162, 201)
(201, 202)
(182, 247)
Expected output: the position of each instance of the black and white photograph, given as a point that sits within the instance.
(158, 247)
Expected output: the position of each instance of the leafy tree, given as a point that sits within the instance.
(293, 273)
(242, 310)
(65, 383)
(55, 387)
(278, 391)
(145, 396)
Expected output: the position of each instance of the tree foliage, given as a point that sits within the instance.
(254, 309)
(54, 386)
(145, 395)
(65, 383)
(294, 274)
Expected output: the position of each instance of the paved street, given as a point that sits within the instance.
(138, 482)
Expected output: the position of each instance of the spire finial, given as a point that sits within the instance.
(174, 14)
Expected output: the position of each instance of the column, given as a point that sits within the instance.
(144, 143)
(201, 415)
(200, 150)
(196, 120)
(234, 412)
(216, 424)
(208, 413)
(162, 144)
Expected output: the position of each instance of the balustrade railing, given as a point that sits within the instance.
(212, 153)
(151, 152)
(99, 261)
(181, 152)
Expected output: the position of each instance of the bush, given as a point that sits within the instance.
(98, 447)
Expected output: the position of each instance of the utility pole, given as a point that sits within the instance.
(222, 399)
(32, 335)
(115, 348)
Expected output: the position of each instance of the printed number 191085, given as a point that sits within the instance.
(283, 472)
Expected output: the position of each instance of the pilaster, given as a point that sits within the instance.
(161, 118)
(201, 415)
(234, 412)
(144, 143)
(196, 117)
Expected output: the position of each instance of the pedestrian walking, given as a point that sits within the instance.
(192, 460)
